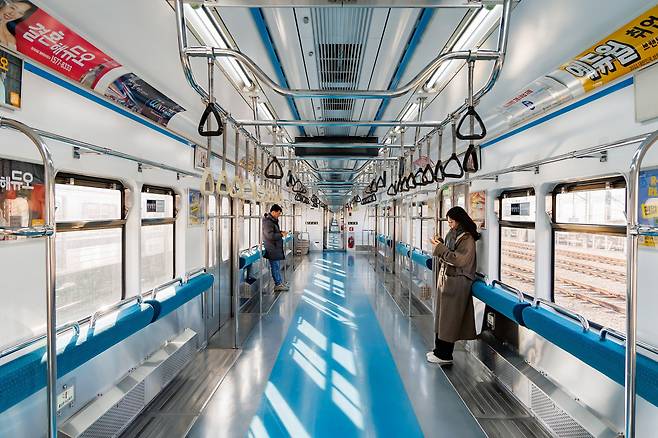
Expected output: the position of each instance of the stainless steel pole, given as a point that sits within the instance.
(48, 232)
(634, 231)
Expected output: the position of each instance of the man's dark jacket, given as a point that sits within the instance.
(272, 238)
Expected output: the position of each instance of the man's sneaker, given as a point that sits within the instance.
(281, 288)
(431, 358)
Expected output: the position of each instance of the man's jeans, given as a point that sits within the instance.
(275, 267)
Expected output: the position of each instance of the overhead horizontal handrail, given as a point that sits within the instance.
(421, 78)
(111, 308)
(75, 325)
(564, 311)
(508, 288)
(434, 4)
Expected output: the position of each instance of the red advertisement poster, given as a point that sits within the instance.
(32, 32)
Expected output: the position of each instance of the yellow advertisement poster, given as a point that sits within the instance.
(476, 208)
(630, 47)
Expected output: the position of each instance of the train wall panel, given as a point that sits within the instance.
(50, 107)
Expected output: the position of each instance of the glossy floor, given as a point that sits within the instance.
(335, 358)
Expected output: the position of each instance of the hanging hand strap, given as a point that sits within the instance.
(291, 179)
(470, 163)
(381, 182)
(439, 176)
(392, 189)
(471, 113)
(453, 158)
(274, 170)
(210, 109)
(427, 176)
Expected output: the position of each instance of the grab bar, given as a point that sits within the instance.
(75, 325)
(508, 288)
(110, 308)
(573, 315)
(191, 274)
(27, 231)
(622, 337)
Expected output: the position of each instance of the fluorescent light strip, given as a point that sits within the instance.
(210, 34)
(472, 37)
(264, 111)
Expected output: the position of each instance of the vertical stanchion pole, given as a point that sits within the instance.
(206, 203)
(633, 231)
(48, 231)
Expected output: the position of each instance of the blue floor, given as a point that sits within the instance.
(334, 375)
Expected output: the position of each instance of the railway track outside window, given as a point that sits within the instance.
(589, 250)
(517, 239)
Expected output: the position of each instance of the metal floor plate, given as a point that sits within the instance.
(497, 411)
(173, 412)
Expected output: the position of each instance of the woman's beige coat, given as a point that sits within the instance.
(455, 316)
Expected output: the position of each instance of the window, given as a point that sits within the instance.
(450, 196)
(158, 236)
(225, 212)
(589, 247)
(251, 225)
(89, 244)
(517, 239)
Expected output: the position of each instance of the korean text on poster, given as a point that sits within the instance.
(648, 198)
(41, 37)
(22, 194)
(195, 209)
(630, 47)
(11, 78)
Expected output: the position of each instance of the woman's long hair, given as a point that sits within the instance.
(459, 215)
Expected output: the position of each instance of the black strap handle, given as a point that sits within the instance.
(439, 176)
(470, 163)
(392, 190)
(381, 182)
(298, 187)
(274, 169)
(418, 178)
(470, 112)
(402, 185)
(453, 158)
(210, 109)
(291, 179)
(428, 175)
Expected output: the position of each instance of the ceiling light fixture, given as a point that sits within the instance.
(472, 37)
(210, 32)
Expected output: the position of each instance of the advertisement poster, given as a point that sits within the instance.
(195, 215)
(200, 157)
(630, 47)
(32, 32)
(648, 208)
(476, 208)
(22, 194)
(11, 78)
(134, 93)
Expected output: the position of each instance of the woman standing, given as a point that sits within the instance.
(453, 309)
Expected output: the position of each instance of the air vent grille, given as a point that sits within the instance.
(556, 419)
(340, 36)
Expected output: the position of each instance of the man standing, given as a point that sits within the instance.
(273, 237)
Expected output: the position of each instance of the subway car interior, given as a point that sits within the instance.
(310, 218)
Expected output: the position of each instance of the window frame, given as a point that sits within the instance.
(146, 222)
(613, 230)
(513, 193)
(66, 178)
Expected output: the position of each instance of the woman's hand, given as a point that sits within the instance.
(435, 240)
